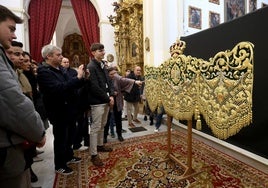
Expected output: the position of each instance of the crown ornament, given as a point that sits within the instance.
(177, 48)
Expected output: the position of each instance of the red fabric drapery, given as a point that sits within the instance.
(88, 20)
(43, 19)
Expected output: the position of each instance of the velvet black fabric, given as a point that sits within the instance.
(253, 28)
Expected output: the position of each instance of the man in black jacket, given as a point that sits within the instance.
(59, 97)
(81, 131)
(134, 97)
(100, 99)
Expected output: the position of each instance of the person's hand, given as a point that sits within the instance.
(111, 103)
(143, 97)
(138, 82)
(87, 74)
(41, 143)
(80, 71)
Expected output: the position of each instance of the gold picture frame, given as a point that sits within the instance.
(252, 5)
(214, 1)
(214, 19)
(234, 9)
(195, 17)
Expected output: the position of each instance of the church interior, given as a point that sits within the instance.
(203, 61)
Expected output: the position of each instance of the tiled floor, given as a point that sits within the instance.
(45, 169)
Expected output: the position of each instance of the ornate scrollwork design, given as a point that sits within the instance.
(232, 63)
(220, 89)
(153, 88)
(177, 89)
(128, 27)
(225, 99)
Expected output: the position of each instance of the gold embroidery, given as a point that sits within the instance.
(219, 89)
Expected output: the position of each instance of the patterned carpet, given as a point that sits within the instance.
(141, 162)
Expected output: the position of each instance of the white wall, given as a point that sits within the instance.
(166, 20)
(104, 9)
(161, 26)
(205, 7)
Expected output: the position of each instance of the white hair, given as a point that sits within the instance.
(49, 49)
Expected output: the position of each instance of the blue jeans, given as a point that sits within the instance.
(112, 122)
(159, 117)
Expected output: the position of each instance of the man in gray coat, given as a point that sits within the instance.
(20, 124)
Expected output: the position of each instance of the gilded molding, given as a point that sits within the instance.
(128, 30)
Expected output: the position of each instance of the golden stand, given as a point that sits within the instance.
(189, 170)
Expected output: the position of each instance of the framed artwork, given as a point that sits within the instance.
(264, 5)
(134, 49)
(252, 5)
(195, 16)
(234, 9)
(214, 1)
(110, 58)
(214, 19)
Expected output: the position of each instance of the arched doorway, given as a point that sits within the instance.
(43, 23)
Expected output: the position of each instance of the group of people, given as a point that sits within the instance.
(67, 96)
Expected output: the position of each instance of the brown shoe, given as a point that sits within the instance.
(96, 160)
(104, 149)
(131, 125)
(137, 121)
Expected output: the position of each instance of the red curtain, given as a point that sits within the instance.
(43, 19)
(88, 21)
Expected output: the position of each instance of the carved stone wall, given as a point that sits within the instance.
(128, 33)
